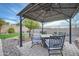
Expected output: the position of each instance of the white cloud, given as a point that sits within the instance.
(56, 23)
(10, 21)
(14, 10)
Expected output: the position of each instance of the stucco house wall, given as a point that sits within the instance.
(5, 28)
(75, 31)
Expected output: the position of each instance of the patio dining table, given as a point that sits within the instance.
(45, 36)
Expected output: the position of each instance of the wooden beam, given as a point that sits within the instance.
(67, 20)
(64, 7)
(30, 8)
(61, 13)
(77, 9)
(50, 6)
(31, 17)
(39, 14)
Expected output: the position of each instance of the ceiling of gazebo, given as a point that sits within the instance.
(48, 12)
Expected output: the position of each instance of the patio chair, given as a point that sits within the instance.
(36, 40)
(55, 43)
(62, 33)
(55, 33)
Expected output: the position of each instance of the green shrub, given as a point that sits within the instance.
(11, 30)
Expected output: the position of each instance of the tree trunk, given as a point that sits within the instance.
(29, 33)
(0, 30)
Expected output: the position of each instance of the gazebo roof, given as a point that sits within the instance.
(47, 12)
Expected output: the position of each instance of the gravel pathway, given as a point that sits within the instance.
(9, 47)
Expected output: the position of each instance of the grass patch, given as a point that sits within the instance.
(25, 36)
(5, 36)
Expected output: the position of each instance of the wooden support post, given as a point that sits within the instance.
(70, 32)
(20, 31)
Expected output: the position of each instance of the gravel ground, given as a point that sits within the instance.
(1, 51)
(9, 47)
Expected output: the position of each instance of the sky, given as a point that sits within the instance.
(9, 11)
(63, 23)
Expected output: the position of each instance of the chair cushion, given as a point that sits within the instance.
(36, 39)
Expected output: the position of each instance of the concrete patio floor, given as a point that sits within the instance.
(68, 50)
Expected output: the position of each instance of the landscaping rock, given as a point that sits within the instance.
(9, 47)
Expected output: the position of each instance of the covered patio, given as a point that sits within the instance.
(47, 12)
